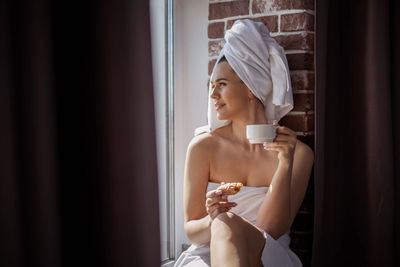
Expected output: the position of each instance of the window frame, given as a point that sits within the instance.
(170, 130)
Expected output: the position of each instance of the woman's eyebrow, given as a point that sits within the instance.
(220, 79)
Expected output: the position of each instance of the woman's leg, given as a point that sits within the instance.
(235, 242)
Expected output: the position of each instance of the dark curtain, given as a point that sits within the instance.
(357, 165)
(78, 172)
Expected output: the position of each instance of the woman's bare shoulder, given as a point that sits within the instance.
(303, 154)
(303, 147)
(203, 141)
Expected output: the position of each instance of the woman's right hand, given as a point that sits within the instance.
(217, 203)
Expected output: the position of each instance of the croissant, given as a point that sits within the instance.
(230, 188)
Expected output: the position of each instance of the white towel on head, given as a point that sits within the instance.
(260, 62)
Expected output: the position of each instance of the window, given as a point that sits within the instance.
(161, 32)
(190, 93)
(180, 64)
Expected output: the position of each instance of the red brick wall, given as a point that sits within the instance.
(291, 23)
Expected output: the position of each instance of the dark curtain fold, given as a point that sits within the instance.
(357, 166)
(78, 169)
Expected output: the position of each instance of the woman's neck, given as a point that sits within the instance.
(255, 115)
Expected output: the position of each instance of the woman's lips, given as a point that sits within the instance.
(217, 107)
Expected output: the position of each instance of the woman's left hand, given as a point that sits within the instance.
(284, 143)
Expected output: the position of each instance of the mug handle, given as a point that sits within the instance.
(275, 127)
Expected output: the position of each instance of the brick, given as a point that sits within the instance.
(303, 102)
(211, 64)
(302, 80)
(310, 121)
(216, 30)
(298, 123)
(263, 6)
(301, 61)
(214, 47)
(228, 9)
(311, 80)
(297, 22)
(271, 22)
(301, 41)
(310, 40)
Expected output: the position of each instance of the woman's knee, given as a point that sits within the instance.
(228, 223)
(225, 222)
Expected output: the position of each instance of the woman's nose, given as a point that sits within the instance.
(214, 93)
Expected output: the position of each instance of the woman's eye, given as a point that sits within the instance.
(219, 85)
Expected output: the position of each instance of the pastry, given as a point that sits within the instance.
(230, 188)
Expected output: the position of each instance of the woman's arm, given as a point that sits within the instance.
(274, 213)
(200, 208)
(287, 189)
(197, 222)
(198, 231)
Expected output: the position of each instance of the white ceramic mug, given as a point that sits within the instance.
(261, 133)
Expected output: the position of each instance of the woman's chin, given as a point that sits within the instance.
(221, 117)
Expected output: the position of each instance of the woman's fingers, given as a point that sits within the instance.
(217, 205)
(284, 137)
(212, 204)
(275, 144)
(214, 213)
(214, 193)
(215, 210)
(274, 148)
(285, 130)
(290, 145)
(212, 200)
(279, 146)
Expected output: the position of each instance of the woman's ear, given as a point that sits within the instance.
(250, 95)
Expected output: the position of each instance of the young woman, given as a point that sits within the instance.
(250, 228)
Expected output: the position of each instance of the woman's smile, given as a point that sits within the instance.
(217, 107)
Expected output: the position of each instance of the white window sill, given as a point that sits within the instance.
(168, 264)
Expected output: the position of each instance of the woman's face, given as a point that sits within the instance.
(230, 94)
